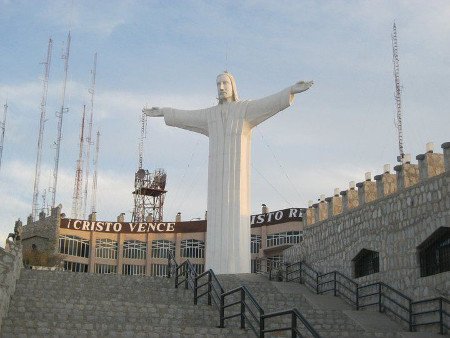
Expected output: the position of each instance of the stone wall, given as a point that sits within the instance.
(43, 233)
(10, 266)
(392, 216)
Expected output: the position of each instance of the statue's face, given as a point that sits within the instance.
(224, 88)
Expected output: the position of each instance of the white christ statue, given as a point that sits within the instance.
(229, 128)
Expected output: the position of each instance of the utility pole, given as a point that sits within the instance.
(397, 94)
(89, 136)
(3, 127)
(76, 201)
(60, 121)
(94, 180)
(37, 171)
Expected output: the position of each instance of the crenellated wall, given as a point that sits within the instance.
(392, 214)
(10, 266)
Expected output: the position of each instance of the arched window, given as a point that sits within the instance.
(366, 263)
(106, 248)
(434, 253)
(74, 246)
(192, 248)
(161, 248)
(134, 249)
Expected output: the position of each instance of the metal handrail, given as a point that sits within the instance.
(443, 327)
(293, 328)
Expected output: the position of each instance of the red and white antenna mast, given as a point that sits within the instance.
(37, 171)
(60, 121)
(77, 198)
(89, 136)
(94, 180)
(398, 93)
(3, 127)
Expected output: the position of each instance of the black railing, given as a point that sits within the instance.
(249, 312)
(426, 312)
(431, 312)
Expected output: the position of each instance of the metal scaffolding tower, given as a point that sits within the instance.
(398, 93)
(149, 187)
(89, 136)
(94, 179)
(77, 197)
(60, 121)
(3, 127)
(42, 120)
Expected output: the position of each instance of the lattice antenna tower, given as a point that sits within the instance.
(59, 115)
(89, 136)
(3, 127)
(94, 179)
(77, 197)
(42, 120)
(141, 139)
(398, 94)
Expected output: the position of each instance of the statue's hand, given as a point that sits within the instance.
(153, 112)
(301, 86)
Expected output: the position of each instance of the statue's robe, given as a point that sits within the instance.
(229, 128)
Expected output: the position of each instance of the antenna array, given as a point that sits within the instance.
(77, 198)
(60, 121)
(94, 180)
(3, 127)
(43, 106)
(89, 136)
(398, 92)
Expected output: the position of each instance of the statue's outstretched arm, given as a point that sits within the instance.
(301, 86)
(153, 111)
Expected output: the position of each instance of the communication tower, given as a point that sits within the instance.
(77, 197)
(398, 93)
(37, 172)
(89, 135)
(60, 121)
(94, 179)
(149, 195)
(2, 127)
(149, 187)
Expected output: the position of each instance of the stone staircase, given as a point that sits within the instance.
(329, 315)
(55, 303)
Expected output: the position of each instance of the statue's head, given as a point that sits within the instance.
(226, 88)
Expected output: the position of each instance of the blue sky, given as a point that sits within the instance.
(168, 53)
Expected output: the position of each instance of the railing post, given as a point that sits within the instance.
(379, 297)
(441, 319)
(410, 316)
(186, 280)
(335, 283)
(294, 325)
(176, 278)
(261, 326)
(168, 267)
(357, 298)
(317, 283)
(195, 291)
(209, 287)
(222, 311)
(301, 268)
(242, 309)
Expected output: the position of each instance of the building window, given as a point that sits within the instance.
(106, 248)
(134, 249)
(289, 237)
(135, 270)
(274, 262)
(254, 265)
(255, 244)
(199, 268)
(105, 268)
(434, 253)
(192, 248)
(74, 246)
(161, 248)
(75, 267)
(366, 263)
(159, 270)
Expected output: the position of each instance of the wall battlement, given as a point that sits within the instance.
(406, 175)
